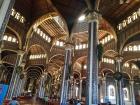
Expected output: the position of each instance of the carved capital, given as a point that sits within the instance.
(119, 58)
(93, 16)
(21, 52)
(69, 46)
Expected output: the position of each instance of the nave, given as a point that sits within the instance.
(85, 51)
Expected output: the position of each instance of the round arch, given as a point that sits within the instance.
(42, 48)
(131, 38)
(17, 35)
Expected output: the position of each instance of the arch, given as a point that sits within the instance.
(125, 74)
(37, 46)
(10, 50)
(55, 56)
(34, 67)
(82, 57)
(49, 64)
(110, 53)
(131, 38)
(78, 63)
(106, 69)
(41, 48)
(17, 35)
(10, 59)
(41, 19)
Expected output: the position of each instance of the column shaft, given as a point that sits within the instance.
(119, 82)
(80, 90)
(64, 90)
(104, 88)
(5, 11)
(132, 93)
(92, 83)
(14, 77)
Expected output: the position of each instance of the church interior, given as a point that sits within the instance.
(53, 52)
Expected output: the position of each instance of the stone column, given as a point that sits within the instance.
(5, 11)
(40, 88)
(21, 86)
(2, 71)
(119, 98)
(19, 81)
(68, 55)
(74, 89)
(71, 88)
(80, 90)
(15, 75)
(132, 93)
(92, 69)
(104, 87)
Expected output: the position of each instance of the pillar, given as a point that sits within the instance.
(132, 93)
(15, 75)
(104, 88)
(40, 88)
(71, 88)
(5, 11)
(80, 90)
(67, 63)
(20, 81)
(92, 69)
(74, 89)
(119, 91)
(20, 87)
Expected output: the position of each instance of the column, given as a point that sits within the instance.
(119, 98)
(67, 63)
(104, 87)
(132, 92)
(40, 88)
(20, 81)
(71, 88)
(15, 75)
(117, 95)
(20, 87)
(1, 66)
(2, 71)
(74, 89)
(80, 90)
(5, 11)
(92, 69)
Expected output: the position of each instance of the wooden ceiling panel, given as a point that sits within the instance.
(53, 28)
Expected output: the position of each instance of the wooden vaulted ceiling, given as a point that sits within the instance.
(35, 49)
(70, 10)
(113, 10)
(53, 28)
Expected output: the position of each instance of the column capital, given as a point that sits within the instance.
(119, 58)
(132, 81)
(1, 62)
(23, 65)
(69, 46)
(93, 16)
(21, 52)
(104, 78)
